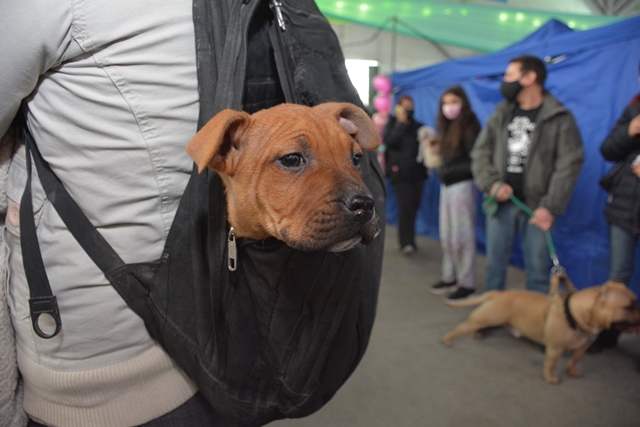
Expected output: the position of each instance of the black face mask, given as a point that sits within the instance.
(510, 90)
(409, 114)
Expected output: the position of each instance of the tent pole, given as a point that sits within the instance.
(394, 41)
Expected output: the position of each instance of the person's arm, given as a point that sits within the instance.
(485, 174)
(34, 37)
(567, 165)
(619, 143)
(394, 132)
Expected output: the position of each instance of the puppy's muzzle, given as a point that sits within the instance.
(359, 223)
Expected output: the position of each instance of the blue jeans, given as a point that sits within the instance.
(501, 234)
(623, 247)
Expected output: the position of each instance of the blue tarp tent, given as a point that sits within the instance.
(595, 74)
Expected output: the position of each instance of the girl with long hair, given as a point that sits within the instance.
(458, 128)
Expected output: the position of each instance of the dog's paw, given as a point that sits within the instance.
(552, 379)
(446, 342)
(574, 372)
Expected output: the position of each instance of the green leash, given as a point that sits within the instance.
(490, 207)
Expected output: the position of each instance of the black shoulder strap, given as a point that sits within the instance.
(42, 301)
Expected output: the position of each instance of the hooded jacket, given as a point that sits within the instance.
(623, 204)
(555, 155)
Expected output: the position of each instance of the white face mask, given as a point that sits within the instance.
(451, 111)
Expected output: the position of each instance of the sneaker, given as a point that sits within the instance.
(442, 288)
(460, 294)
(408, 250)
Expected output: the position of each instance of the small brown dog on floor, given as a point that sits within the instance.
(559, 322)
(293, 172)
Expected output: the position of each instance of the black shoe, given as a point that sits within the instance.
(459, 294)
(442, 288)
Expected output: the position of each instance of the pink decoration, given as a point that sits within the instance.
(379, 120)
(382, 84)
(381, 103)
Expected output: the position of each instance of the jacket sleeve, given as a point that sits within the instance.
(483, 170)
(39, 34)
(567, 165)
(619, 144)
(394, 132)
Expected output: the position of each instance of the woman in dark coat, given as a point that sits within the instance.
(623, 205)
(406, 175)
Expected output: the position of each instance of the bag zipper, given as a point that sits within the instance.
(232, 258)
(283, 65)
(276, 6)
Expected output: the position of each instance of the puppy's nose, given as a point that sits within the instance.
(361, 206)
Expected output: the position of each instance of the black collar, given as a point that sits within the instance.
(571, 320)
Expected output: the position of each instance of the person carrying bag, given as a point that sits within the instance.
(278, 336)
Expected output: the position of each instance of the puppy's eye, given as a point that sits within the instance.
(294, 160)
(357, 159)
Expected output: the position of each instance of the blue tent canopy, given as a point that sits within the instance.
(595, 74)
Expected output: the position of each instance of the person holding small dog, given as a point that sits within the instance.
(458, 128)
(622, 211)
(529, 148)
(112, 92)
(406, 175)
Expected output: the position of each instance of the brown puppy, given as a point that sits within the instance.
(293, 172)
(559, 322)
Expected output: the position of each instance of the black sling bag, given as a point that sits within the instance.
(278, 336)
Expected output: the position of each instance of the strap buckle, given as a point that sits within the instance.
(45, 305)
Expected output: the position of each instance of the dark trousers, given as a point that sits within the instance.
(195, 412)
(408, 194)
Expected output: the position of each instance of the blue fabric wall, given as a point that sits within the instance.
(595, 74)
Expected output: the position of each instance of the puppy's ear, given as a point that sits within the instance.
(354, 121)
(213, 144)
(611, 286)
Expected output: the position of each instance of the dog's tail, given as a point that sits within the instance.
(470, 302)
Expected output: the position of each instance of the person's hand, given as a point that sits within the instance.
(634, 127)
(503, 194)
(401, 115)
(542, 218)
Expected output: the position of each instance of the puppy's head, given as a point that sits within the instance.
(293, 172)
(616, 307)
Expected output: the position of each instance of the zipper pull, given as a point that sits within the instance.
(232, 251)
(276, 6)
